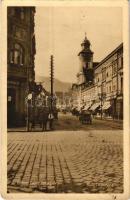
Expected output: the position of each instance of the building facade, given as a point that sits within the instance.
(84, 87)
(20, 66)
(102, 92)
(109, 83)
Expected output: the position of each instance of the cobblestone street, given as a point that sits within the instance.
(88, 161)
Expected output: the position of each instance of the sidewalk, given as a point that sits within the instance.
(24, 129)
(109, 119)
(18, 129)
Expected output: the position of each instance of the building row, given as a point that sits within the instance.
(99, 86)
(20, 57)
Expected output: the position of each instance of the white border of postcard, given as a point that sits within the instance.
(116, 3)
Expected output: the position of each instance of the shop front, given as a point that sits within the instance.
(119, 107)
(107, 109)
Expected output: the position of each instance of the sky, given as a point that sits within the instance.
(59, 31)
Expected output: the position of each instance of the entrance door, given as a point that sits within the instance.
(11, 102)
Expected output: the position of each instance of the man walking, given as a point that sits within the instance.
(44, 119)
(50, 118)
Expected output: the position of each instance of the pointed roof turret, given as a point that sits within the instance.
(86, 43)
(85, 46)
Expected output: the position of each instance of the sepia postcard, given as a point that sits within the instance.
(65, 100)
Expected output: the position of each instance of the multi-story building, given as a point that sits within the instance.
(101, 90)
(21, 52)
(109, 83)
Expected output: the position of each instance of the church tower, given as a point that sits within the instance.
(85, 74)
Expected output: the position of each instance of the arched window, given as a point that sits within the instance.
(17, 55)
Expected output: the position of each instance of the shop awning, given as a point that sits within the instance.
(106, 105)
(94, 106)
(79, 108)
(86, 107)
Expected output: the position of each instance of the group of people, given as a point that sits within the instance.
(75, 112)
(44, 117)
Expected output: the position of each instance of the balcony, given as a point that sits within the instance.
(17, 72)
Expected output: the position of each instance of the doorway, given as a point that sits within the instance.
(11, 110)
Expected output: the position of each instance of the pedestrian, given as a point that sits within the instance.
(44, 119)
(31, 117)
(55, 113)
(50, 119)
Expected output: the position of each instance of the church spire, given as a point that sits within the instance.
(86, 43)
(86, 65)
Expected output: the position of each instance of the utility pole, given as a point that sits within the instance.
(27, 106)
(52, 80)
(27, 114)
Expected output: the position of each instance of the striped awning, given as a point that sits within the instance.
(94, 106)
(106, 105)
(86, 107)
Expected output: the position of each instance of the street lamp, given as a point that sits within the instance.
(52, 80)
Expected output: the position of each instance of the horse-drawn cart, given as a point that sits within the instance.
(85, 117)
(37, 116)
